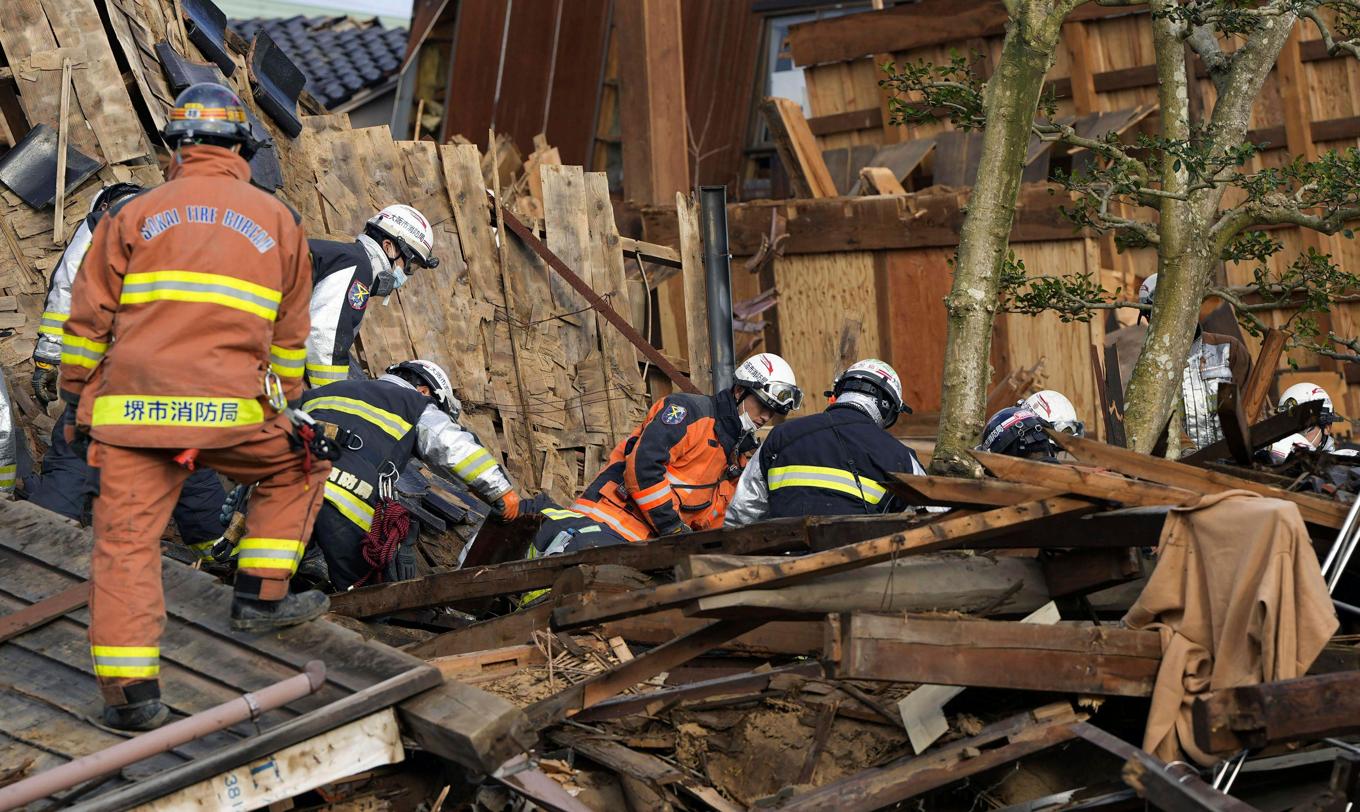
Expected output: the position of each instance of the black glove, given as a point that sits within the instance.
(45, 382)
(236, 503)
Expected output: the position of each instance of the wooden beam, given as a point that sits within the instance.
(869, 118)
(787, 638)
(1233, 421)
(653, 703)
(1102, 660)
(880, 180)
(949, 533)
(996, 745)
(652, 100)
(1095, 484)
(44, 611)
(514, 577)
(926, 219)
(1256, 716)
(1179, 475)
(1263, 373)
(1173, 787)
(1264, 433)
(797, 149)
(961, 492)
(651, 252)
(639, 669)
(696, 299)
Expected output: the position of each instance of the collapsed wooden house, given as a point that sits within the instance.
(800, 664)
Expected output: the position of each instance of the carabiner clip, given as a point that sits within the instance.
(273, 391)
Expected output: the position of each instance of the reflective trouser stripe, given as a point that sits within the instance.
(601, 516)
(322, 374)
(269, 554)
(210, 288)
(831, 479)
(476, 464)
(204, 548)
(655, 495)
(350, 506)
(393, 424)
(128, 662)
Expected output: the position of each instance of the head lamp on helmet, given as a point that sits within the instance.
(208, 113)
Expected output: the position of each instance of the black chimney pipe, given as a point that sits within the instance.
(717, 283)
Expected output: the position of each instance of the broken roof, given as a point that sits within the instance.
(341, 57)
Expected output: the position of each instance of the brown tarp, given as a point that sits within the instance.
(1238, 597)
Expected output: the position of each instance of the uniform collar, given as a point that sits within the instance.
(851, 409)
(204, 161)
(376, 257)
(727, 424)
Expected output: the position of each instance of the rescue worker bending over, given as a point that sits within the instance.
(675, 472)
(833, 463)
(68, 484)
(410, 411)
(345, 275)
(1318, 437)
(1056, 410)
(1018, 432)
(191, 293)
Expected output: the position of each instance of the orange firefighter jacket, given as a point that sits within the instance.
(189, 294)
(673, 472)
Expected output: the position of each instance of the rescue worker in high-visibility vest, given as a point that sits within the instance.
(409, 412)
(191, 306)
(675, 472)
(67, 484)
(345, 275)
(834, 463)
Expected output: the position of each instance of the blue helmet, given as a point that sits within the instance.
(208, 113)
(1018, 432)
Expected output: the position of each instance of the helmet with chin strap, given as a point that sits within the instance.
(1018, 432)
(409, 231)
(1306, 392)
(429, 374)
(209, 113)
(770, 379)
(1054, 407)
(877, 380)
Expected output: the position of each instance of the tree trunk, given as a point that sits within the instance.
(1188, 254)
(1012, 96)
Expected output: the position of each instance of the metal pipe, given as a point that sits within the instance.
(717, 283)
(1342, 534)
(112, 759)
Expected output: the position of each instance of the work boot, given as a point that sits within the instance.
(312, 571)
(147, 715)
(251, 615)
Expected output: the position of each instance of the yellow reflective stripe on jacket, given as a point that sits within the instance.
(174, 410)
(831, 479)
(558, 513)
(601, 516)
(193, 286)
(7, 475)
(322, 374)
(350, 506)
(287, 363)
(269, 554)
(136, 662)
(474, 465)
(393, 424)
(51, 323)
(81, 352)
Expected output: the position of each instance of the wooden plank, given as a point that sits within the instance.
(886, 786)
(651, 252)
(45, 610)
(564, 209)
(656, 702)
(1179, 475)
(467, 726)
(627, 392)
(609, 753)
(1257, 716)
(869, 118)
(696, 301)
(956, 532)
(652, 101)
(797, 148)
(1233, 421)
(961, 492)
(1114, 393)
(1273, 428)
(1101, 660)
(514, 577)
(639, 669)
(879, 180)
(1085, 482)
(796, 638)
(1257, 386)
(26, 35)
(63, 131)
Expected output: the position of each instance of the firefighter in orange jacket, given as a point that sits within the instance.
(676, 472)
(192, 294)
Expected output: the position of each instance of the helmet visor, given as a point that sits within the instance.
(782, 397)
(1074, 427)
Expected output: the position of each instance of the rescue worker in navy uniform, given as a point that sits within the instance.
(67, 484)
(833, 463)
(410, 411)
(1019, 432)
(345, 275)
(676, 472)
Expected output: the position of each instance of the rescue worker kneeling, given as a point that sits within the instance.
(675, 472)
(410, 411)
(190, 293)
(833, 463)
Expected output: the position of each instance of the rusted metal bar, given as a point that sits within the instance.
(597, 302)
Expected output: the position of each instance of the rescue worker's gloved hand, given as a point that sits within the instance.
(675, 529)
(44, 382)
(506, 506)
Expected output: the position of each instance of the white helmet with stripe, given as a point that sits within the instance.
(771, 380)
(1056, 410)
(409, 231)
(427, 373)
(1306, 392)
(880, 381)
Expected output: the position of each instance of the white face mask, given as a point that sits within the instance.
(747, 424)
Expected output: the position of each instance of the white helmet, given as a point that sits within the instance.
(877, 379)
(408, 230)
(1305, 392)
(428, 373)
(771, 380)
(1056, 410)
(1147, 289)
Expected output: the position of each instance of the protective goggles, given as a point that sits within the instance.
(782, 397)
(1074, 427)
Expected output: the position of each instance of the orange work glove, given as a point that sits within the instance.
(506, 506)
